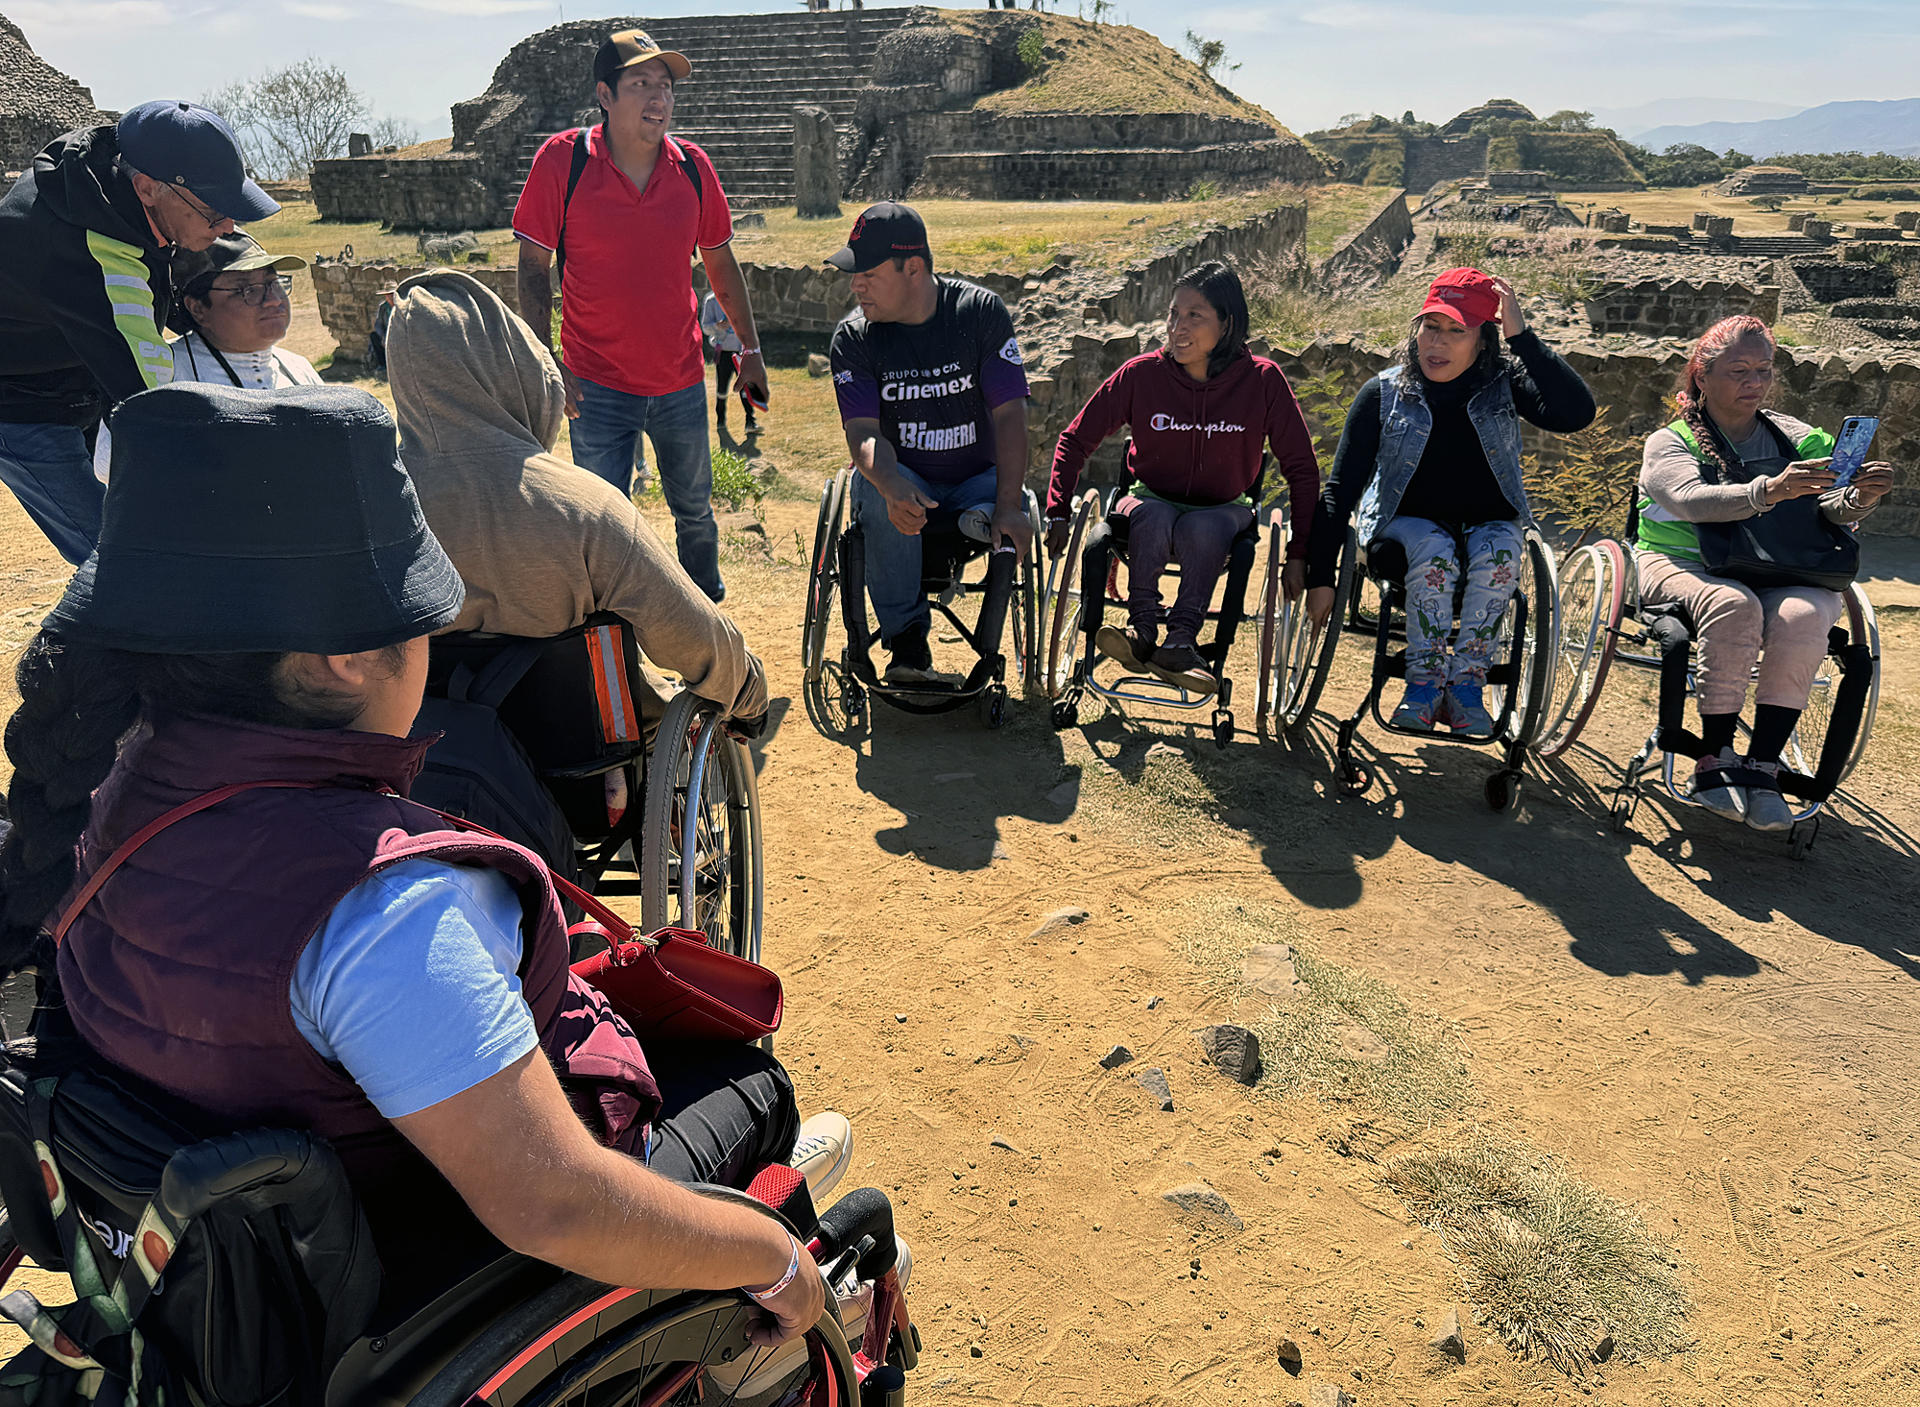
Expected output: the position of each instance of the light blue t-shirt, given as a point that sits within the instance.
(713, 322)
(412, 984)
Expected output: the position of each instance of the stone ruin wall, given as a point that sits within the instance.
(430, 193)
(1113, 174)
(37, 101)
(1373, 250)
(349, 295)
(1676, 307)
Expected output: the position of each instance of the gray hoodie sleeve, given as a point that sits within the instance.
(1671, 477)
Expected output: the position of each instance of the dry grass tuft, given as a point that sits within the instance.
(1556, 1267)
(1342, 1036)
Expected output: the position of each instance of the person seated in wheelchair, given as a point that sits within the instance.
(1203, 410)
(539, 544)
(1728, 459)
(933, 398)
(1431, 454)
(310, 949)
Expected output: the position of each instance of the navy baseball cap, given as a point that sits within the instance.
(186, 145)
(884, 231)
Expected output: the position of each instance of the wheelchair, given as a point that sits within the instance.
(1084, 582)
(238, 1270)
(1604, 620)
(1008, 588)
(669, 811)
(1520, 674)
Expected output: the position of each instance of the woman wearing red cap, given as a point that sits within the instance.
(1431, 454)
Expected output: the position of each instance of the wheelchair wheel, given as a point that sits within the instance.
(1029, 586)
(700, 851)
(825, 579)
(1536, 654)
(581, 1342)
(1307, 658)
(1276, 622)
(1809, 735)
(1065, 591)
(1593, 597)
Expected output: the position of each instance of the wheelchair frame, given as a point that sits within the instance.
(839, 571)
(1069, 674)
(1521, 676)
(1606, 619)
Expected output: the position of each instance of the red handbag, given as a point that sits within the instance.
(672, 983)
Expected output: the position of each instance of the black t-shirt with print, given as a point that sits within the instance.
(933, 386)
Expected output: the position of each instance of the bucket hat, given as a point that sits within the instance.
(258, 522)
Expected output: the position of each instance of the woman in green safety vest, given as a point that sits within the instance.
(1761, 458)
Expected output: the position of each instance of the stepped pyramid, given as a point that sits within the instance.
(749, 72)
(37, 101)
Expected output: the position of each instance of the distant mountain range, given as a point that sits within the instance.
(1892, 127)
(1630, 122)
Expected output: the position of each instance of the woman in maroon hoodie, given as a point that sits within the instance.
(1203, 411)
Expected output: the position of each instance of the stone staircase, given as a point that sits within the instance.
(749, 73)
(1779, 246)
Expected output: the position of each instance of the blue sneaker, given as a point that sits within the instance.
(1417, 706)
(1463, 712)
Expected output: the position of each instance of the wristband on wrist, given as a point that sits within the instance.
(793, 1269)
(749, 351)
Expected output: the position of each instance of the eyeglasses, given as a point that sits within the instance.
(213, 220)
(254, 294)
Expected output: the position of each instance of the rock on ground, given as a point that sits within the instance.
(1329, 1395)
(818, 366)
(1059, 919)
(1289, 1355)
(1268, 969)
(1154, 1080)
(1449, 1340)
(1115, 1058)
(1234, 1051)
(1197, 1199)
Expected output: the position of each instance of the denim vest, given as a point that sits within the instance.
(1406, 423)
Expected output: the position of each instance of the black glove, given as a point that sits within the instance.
(747, 729)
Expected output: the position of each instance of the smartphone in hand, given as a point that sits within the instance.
(1850, 449)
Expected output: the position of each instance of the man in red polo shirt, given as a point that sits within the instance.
(622, 218)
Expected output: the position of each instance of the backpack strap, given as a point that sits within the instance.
(576, 167)
(694, 179)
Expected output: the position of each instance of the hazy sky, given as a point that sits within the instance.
(1306, 61)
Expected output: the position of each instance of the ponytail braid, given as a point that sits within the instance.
(1714, 344)
(76, 702)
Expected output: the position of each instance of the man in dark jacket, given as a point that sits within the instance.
(86, 244)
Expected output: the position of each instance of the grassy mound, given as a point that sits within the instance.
(1108, 68)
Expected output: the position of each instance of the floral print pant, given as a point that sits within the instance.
(1494, 552)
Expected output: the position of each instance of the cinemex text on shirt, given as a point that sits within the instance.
(893, 392)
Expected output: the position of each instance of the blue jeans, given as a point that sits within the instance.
(606, 441)
(51, 473)
(893, 558)
(1495, 554)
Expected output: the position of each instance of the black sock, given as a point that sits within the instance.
(1772, 726)
(1717, 730)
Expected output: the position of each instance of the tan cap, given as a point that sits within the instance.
(635, 46)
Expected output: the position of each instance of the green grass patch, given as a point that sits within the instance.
(734, 483)
(1556, 1267)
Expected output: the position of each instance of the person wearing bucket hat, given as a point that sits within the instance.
(86, 238)
(1431, 456)
(308, 947)
(614, 213)
(232, 305)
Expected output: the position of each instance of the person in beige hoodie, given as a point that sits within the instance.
(540, 543)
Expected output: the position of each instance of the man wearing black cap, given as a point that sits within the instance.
(620, 208)
(933, 398)
(86, 239)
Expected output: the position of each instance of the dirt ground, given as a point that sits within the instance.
(1703, 1029)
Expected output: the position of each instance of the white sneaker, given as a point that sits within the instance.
(823, 1153)
(1767, 809)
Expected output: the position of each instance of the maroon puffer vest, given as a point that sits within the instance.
(178, 970)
